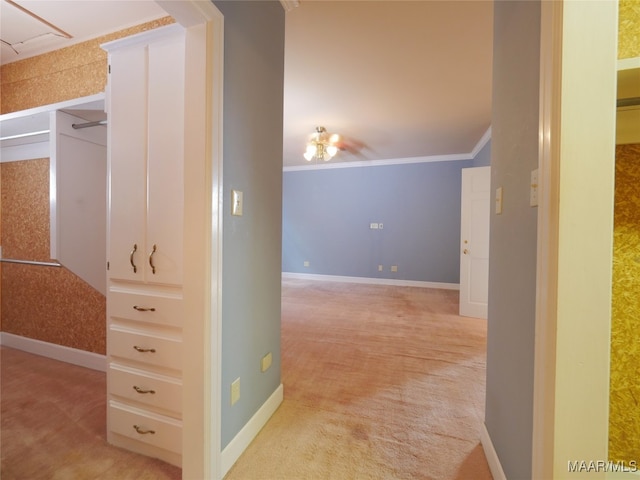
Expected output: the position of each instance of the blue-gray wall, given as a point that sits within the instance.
(327, 214)
(513, 244)
(251, 258)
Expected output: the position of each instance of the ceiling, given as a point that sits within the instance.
(408, 80)
(54, 24)
(398, 79)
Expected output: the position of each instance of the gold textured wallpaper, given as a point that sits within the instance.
(624, 396)
(629, 29)
(41, 302)
(624, 418)
(71, 72)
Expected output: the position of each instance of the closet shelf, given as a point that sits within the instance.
(33, 126)
(628, 116)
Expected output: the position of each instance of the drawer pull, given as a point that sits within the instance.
(144, 309)
(143, 431)
(133, 265)
(144, 350)
(142, 390)
(153, 267)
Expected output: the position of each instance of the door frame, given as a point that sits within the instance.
(575, 233)
(204, 25)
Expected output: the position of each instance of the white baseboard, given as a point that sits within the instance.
(241, 441)
(61, 353)
(492, 456)
(371, 281)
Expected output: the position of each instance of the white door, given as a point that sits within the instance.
(474, 241)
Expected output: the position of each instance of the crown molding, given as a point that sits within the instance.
(481, 143)
(396, 161)
(289, 5)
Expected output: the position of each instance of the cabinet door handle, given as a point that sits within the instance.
(153, 267)
(142, 390)
(143, 431)
(144, 350)
(135, 248)
(144, 309)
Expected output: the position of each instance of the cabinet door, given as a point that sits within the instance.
(127, 110)
(165, 160)
(146, 118)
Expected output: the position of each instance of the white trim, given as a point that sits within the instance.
(82, 358)
(25, 151)
(481, 143)
(241, 441)
(492, 457)
(25, 134)
(371, 281)
(142, 37)
(380, 163)
(289, 5)
(90, 102)
(544, 376)
(203, 461)
(628, 63)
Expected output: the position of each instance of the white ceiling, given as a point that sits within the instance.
(81, 19)
(397, 79)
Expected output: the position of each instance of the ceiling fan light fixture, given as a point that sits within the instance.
(321, 146)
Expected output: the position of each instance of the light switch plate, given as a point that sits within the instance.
(533, 191)
(499, 201)
(236, 203)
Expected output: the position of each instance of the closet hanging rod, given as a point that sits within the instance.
(89, 124)
(22, 135)
(628, 102)
(31, 262)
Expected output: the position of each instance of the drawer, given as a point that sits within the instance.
(149, 348)
(155, 430)
(147, 388)
(158, 309)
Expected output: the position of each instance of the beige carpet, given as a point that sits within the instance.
(380, 383)
(54, 425)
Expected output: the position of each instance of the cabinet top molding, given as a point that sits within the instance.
(143, 37)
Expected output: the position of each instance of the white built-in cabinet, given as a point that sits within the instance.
(145, 106)
(72, 135)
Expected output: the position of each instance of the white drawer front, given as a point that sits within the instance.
(139, 425)
(160, 310)
(163, 352)
(146, 388)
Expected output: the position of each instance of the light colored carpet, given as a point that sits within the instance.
(380, 383)
(54, 425)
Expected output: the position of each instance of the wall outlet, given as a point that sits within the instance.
(235, 391)
(306, 263)
(394, 268)
(265, 362)
(380, 268)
